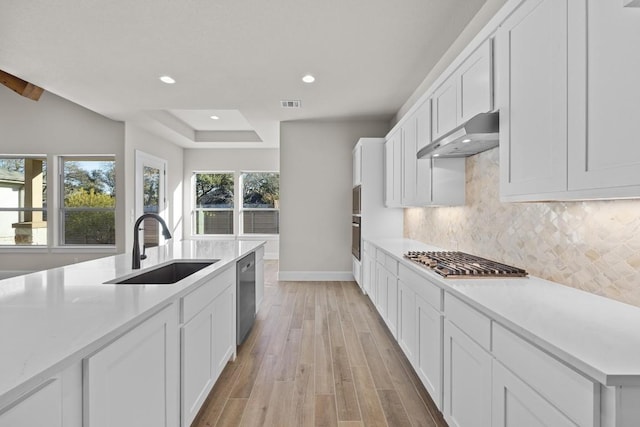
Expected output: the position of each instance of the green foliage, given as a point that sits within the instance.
(260, 189)
(94, 227)
(214, 190)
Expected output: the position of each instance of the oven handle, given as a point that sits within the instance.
(355, 224)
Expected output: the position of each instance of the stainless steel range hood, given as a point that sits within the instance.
(479, 134)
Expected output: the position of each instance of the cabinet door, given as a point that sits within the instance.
(532, 56)
(392, 304)
(407, 320)
(259, 282)
(393, 170)
(423, 166)
(134, 380)
(475, 80)
(467, 380)
(444, 108)
(410, 160)
(428, 358)
(366, 274)
(224, 330)
(42, 407)
(515, 404)
(198, 367)
(603, 144)
(381, 292)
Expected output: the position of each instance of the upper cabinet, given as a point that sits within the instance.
(467, 92)
(568, 95)
(532, 71)
(420, 182)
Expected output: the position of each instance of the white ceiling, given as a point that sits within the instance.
(237, 56)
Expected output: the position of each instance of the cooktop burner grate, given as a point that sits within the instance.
(460, 264)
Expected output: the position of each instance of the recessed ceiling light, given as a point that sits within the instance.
(436, 155)
(215, 117)
(167, 79)
(466, 140)
(308, 78)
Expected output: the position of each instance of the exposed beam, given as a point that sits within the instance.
(20, 86)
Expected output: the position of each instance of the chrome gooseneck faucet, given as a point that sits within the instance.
(135, 264)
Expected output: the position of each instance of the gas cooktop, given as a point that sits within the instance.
(460, 264)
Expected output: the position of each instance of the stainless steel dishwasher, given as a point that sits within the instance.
(245, 296)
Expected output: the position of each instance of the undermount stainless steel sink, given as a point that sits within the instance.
(166, 274)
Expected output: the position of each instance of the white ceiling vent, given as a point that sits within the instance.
(296, 103)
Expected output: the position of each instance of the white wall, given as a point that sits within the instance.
(229, 160)
(477, 23)
(55, 126)
(315, 196)
(138, 138)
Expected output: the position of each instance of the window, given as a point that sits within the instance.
(23, 201)
(260, 202)
(213, 208)
(87, 208)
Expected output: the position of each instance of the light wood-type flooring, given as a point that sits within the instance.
(318, 355)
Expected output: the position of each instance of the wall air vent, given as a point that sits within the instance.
(296, 103)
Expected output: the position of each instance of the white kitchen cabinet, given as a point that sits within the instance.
(467, 380)
(41, 407)
(604, 156)
(532, 57)
(207, 339)
(386, 300)
(427, 182)
(444, 113)
(407, 320)
(368, 269)
(134, 380)
(467, 92)
(515, 404)
(429, 339)
(393, 170)
(568, 99)
(357, 165)
(573, 397)
(259, 277)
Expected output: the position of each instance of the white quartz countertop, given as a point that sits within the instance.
(598, 336)
(53, 318)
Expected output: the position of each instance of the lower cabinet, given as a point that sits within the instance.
(407, 320)
(467, 380)
(515, 404)
(387, 297)
(207, 340)
(41, 407)
(134, 380)
(428, 356)
(368, 274)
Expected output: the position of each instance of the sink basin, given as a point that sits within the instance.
(166, 274)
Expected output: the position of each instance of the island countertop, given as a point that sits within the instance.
(53, 318)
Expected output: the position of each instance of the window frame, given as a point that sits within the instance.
(60, 209)
(195, 209)
(242, 209)
(22, 209)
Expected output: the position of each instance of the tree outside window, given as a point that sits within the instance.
(213, 207)
(260, 202)
(89, 201)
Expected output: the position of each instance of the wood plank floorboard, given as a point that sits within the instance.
(318, 355)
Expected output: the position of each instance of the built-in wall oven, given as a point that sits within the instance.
(356, 235)
(357, 199)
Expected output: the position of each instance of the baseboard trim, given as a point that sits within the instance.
(315, 276)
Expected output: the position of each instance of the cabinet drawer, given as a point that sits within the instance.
(391, 264)
(380, 256)
(570, 392)
(469, 320)
(202, 296)
(431, 293)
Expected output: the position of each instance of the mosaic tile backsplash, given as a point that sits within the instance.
(592, 245)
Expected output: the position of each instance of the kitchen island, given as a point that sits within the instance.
(53, 323)
(527, 349)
